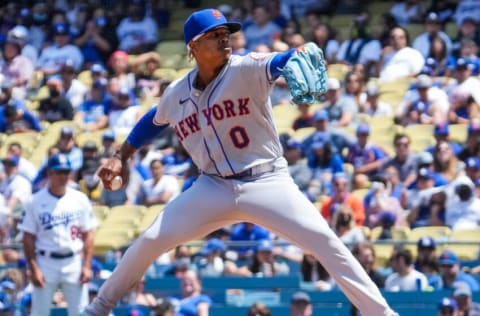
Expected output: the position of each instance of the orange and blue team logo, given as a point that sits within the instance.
(217, 14)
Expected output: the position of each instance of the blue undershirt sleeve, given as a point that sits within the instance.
(145, 130)
(279, 61)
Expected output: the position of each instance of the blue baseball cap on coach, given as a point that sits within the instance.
(59, 163)
(206, 20)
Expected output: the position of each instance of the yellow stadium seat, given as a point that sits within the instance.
(168, 74)
(95, 137)
(414, 29)
(419, 145)
(111, 239)
(458, 132)
(284, 115)
(436, 232)
(85, 77)
(132, 211)
(360, 193)
(183, 71)
(28, 141)
(171, 47)
(468, 251)
(419, 130)
(379, 7)
(186, 62)
(366, 232)
(381, 122)
(301, 133)
(400, 233)
(375, 232)
(55, 127)
(348, 168)
(383, 252)
(171, 61)
(337, 71)
(115, 222)
(149, 216)
(100, 211)
(283, 129)
(451, 29)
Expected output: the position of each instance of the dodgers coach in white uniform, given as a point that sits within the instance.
(58, 237)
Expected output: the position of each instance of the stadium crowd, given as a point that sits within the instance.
(75, 76)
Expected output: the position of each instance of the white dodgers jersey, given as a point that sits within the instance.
(58, 222)
(228, 127)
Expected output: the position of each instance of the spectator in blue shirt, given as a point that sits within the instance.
(366, 158)
(338, 139)
(441, 132)
(426, 160)
(324, 164)
(468, 52)
(17, 119)
(451, 272)
(248, 232)
(192, 302)
(92, 114)
(67, 146)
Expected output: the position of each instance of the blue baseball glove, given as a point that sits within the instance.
(306, 74)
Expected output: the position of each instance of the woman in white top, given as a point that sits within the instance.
(161, 188)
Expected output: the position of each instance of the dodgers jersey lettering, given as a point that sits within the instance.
(198, 116)
(58, 222)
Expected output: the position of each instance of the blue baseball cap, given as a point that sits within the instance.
(100, 83)
(387, 217)
(448, 257)
(425, 173)
(212, 245)
(11, 160)
(447, 302)
(293, 144)
(462, 63)
(202, 21)
(97, 68)
(264, 245)
(364, 129)
(59, 163)
(320, 115)
(61, 29)
(441, 129)
(426, 242)
(473, 162)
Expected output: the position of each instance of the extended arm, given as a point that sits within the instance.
(279, 61)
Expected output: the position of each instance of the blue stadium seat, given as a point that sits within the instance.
(124, 310)
(277, 311)
(59, 311)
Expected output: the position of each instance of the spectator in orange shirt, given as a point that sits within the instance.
(341, 196)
